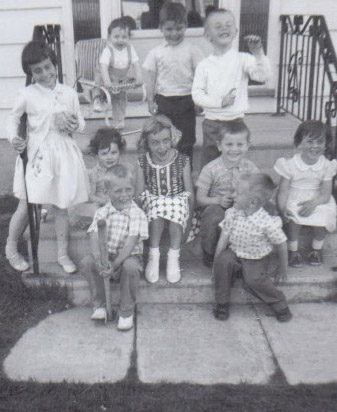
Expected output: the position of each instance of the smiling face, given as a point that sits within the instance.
(233, 147)
(160, 145)
(173, 32)
(119, 37)
(311, 148)
(121, 192)
(221, 30)
(108, 156)
(44, 73)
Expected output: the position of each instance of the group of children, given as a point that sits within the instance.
(139, 202)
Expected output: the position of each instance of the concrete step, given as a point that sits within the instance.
(308, 284)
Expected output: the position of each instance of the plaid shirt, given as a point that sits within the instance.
(120, 225)
(253, 236)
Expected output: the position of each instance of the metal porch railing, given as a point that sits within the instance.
(307, 82)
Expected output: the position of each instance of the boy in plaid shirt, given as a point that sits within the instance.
(127, 227)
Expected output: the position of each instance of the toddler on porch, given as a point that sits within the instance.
(116, 61)
(217, 181)
(127, 227)
(248, 234)
(169, 75)
(221, 80)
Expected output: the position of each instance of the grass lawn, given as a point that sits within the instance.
(21, 308)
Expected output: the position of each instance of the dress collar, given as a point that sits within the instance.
(304, 166)
(46, 90)
(157, 166)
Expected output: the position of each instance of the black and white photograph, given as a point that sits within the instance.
(168, 205)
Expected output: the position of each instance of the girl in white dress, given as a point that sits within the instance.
(56, 174)
(304, 196)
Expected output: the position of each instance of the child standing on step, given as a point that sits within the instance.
(165, 174)
(217, 181)
(126, 227)
(169, 75)
(117, 61)
(248, 234)
(304, 196)
(221, 80)
(55, 174)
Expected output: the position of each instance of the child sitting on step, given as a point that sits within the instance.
(115, 64)
(55, 174)
(304, 196)
(165, 174)
(127, 227)
(248, 234)
(217, 182)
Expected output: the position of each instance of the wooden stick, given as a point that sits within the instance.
(103, 248)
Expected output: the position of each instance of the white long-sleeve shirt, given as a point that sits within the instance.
(216, 76)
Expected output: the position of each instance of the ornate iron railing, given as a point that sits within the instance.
(307, 82)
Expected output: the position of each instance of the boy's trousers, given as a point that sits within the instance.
(128, 275)
(256, 276)
(211, 216)
(210, 129)
(181, 111)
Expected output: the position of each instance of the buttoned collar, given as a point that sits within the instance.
(234, 166)
(301, 165)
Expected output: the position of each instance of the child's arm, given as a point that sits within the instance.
(282, 253)
(309, 206)
(140, 184)
(138, 73)
(13, 123)
(282, 195)
(150, 84)
(204, 200)
(260, 71)
(188, 184)
(126, 251)
(199, 87)
(105, 75)
(222, 243)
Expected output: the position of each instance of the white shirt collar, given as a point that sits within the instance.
(301, 165)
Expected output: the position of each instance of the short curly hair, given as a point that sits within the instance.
(35, 52)
(153, 124)
(103, 139)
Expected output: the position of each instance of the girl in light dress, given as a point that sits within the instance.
(56, 174)
(304, 196)
(165, 187)
(106, 146)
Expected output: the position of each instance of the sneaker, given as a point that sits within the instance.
(284, 315)
(295, 259)
(221, 312)
(315, 258)
(125, 324)
(99, 314)
(18, 262)
(67, 264)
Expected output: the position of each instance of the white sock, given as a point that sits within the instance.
(11, 247)
(173, 252)
(293, 245)
(154, 251)
(317, 244)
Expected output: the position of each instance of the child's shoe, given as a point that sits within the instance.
(315, 258)
(295, 259)
(152, 267)
(99, 314)
(173, 267)
(221, 312)
(14, 258)
(125, 324)
(67, 264)
(98, 105)
(284, 315)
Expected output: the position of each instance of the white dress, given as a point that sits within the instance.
(56, 173)
(305, 182)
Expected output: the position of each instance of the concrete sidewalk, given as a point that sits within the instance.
(182, 343)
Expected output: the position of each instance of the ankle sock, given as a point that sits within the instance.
(317, 244)
(293, 245)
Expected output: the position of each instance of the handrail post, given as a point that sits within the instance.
(280, 67)
(314, 33)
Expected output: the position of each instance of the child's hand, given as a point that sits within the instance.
(307, 208)
(254, 43)
(66, 122)
(226, 200)
(153, 107)
(281, 275)
(105, 270)
(229, 98)
(19, 144)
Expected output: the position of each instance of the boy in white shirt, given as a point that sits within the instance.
(221, 80)
(116, 62)
(169, 75)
